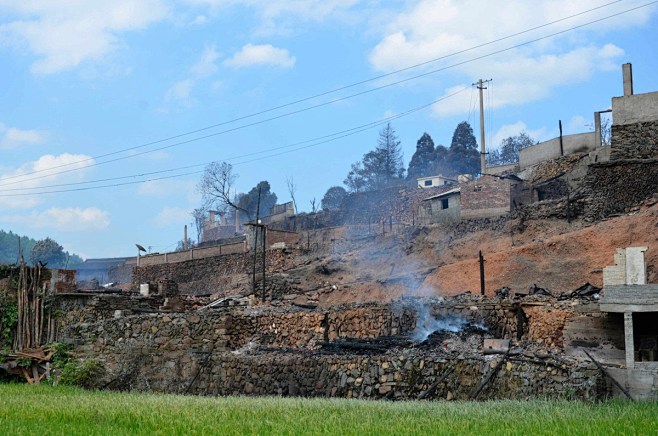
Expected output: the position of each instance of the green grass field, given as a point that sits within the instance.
(39, 410)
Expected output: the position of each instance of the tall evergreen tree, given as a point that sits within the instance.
(463, 156)
(380, 167)
(422, 162)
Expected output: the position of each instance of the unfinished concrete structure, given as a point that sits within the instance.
(556, 147)
(634, 122)
(627, 292)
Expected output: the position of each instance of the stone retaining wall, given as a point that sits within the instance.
(208, 275)
(617, 186)
(635, 141)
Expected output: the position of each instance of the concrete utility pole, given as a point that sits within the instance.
(483, 151)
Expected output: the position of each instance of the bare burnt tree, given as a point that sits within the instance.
(216, 185)
(314, 206)
(199, 215)
(292, 189)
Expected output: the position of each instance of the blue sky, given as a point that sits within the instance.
(92, 90)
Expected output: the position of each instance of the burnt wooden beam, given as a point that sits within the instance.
(607, 374)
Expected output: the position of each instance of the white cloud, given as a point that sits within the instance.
(65, 33)
(169, 216)
(200, 20)
(285, 16)
(435, 28)
(73, 219)
(264, 54)
(431, 29)
(578, 124)
(204, 67)
(180, 91)
(18, 185)
(166, 187)
(11, 137)
(532, 78)
(508, 130)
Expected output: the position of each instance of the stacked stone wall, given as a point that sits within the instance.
(208, 275)
(635, 141)
(274, 351)
(618, 186)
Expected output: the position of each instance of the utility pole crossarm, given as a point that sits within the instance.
(483, 152)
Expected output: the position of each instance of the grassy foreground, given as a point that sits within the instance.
(45, 410)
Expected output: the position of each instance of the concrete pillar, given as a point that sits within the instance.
(636, 269)
(597, 129)
(628, 335)
(627, 71)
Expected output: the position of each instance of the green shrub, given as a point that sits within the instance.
(8, 322)
(84, 373)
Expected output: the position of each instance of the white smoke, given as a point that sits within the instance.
(426, 324)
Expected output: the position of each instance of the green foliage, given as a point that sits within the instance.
(8, 321)
(85, 374)
(9, 246)
(463, 156)
(423, 160)
(509, 149)
(333, 198)
(61, 354)
(49, 252)
(9, 251)
(379, 168)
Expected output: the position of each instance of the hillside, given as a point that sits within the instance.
(553, 254)
(9, 248)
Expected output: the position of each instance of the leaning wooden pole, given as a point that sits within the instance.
(607, 374)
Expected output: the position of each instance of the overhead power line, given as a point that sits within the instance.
(322, 94)
(314, 142)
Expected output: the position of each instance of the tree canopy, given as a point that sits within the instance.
(423, 161)
(249, 201)
(49, 252)
(333, 198)
(9, 250)
(379, 168)
(463, 156)
(509, 149)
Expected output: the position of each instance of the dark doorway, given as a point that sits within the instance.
(645, 336)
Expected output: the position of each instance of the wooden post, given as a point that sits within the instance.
(253, 271)
(561, 145)
(607, 374)
(264, 230)
(481, 273)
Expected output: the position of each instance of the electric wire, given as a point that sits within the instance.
(314, 143)
(344, 88)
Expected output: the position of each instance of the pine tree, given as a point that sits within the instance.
(422, 162)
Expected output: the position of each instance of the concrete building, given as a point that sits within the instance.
(219, 226)
(488, 196)
(434, 181)
(279, 212)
